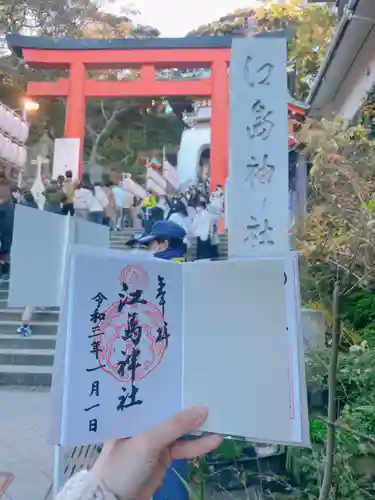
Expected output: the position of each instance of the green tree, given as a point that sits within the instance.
(121, 132)
(117, 131)
(337, 236)
(311, 25)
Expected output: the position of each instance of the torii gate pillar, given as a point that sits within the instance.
(219, 151)
(76, 107)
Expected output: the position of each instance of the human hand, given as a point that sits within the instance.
(133, 469)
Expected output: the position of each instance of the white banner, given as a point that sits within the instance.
(66, 156)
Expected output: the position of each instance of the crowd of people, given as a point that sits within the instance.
(196, 211)
(105, 202)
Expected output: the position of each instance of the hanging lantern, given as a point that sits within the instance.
(2, 145)
(23, 132)
(21, 156)
(8, 122)
(16, 127)
(17, 157)
(13, 152)
(3, 117)
(12, 155)
(11, 129)
(6, 150)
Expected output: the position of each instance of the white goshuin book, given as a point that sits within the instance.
(141, 339)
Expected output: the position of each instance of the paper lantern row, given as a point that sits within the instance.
(12, 152)
(13, 125)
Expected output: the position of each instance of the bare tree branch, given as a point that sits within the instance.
(344, 427)
(90, 130)
(103, 110)
(105, 130)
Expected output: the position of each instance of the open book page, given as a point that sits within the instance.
(305, 428)
(292, 331)
(236, 351)
(48, 245)
(124, 348)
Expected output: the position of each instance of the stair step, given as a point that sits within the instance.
(28, 357)
(130, 231)
(36, 352)
(38, 327)
(16, 341)
(4, 285)
(33, 322)
(15, 314)
(30, 375)
(120, 238)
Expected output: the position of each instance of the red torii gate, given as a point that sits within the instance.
(79, 56)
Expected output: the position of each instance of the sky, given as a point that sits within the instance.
(175, 18)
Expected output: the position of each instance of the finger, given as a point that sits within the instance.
(196, 447)
(179, 425)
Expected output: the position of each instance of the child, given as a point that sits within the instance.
(148, 205)
(24, 329)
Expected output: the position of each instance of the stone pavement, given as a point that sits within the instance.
(24, 451)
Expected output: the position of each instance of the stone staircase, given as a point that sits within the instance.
(28, 361)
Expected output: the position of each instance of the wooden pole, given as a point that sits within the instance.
(331, 431)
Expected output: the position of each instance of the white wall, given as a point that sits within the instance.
(358, 81)
(192, 142)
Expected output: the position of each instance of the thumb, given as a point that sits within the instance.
(181, 424)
